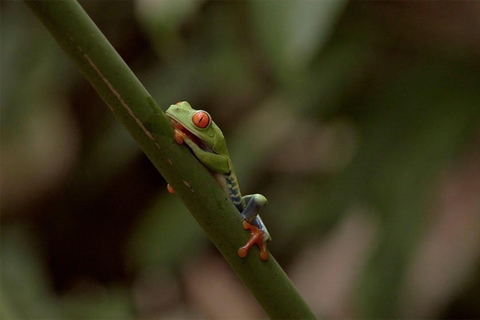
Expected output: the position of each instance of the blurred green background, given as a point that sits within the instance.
(360, 122)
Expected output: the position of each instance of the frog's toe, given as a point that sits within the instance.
(242, 252)
(257, 237)
(264, 253)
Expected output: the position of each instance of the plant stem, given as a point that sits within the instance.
(126, 97)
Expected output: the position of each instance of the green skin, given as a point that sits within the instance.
(209, 146)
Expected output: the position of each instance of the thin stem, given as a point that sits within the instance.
(126, 97)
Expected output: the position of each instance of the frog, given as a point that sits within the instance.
(203, 137)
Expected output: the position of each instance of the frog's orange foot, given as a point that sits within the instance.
(170, 189)
(179, 136)
(256, 237)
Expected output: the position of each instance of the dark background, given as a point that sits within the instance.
(360, 122)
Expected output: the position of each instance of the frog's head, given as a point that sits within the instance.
(196, 122)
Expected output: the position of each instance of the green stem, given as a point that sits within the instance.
(126, 97)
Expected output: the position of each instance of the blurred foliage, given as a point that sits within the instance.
(329, 107)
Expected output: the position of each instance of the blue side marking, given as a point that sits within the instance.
(234, 191)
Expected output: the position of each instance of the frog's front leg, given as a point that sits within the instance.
(258, 232)
(179, 136)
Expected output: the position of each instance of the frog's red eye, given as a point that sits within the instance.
(201, 119)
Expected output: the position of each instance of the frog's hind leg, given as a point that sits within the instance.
(258, 232)
(255, 203)
(260, 225)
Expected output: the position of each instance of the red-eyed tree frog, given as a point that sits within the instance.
(205, 139)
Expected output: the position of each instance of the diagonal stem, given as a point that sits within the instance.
(126, 97)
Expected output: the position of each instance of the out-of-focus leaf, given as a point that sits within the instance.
(95, 302)
(431, 111)
(24, 286)
(109, 154)
(162, 21)
(200, 71)
(292, 32)
(28, 80)
(165, 235)
(38, 133)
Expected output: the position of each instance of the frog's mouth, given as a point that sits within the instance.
(177, 125)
